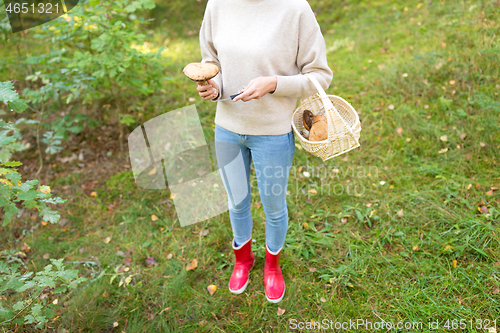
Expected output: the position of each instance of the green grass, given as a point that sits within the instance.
(370, 250)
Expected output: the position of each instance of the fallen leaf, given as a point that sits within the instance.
(336, 231)
(322, 299)
(399, 130)
(300, 169)
(55, 301)
(46, 256)
(343, 220)
(211, 289)
(127, 261)
(93, 194)
(169, 256)
(105, 294)
(489, 193)
(204, 232)
(391, 107)
(280, 311)
(115, 324)
(454, 262)
(345, 158)
(150, 260)
(173, 195)
(312, 269)
(482, 144)
(25, 247)
(154, 218)
(483, 210)
(462, 136)
(306, 174)
(444, 150)
(469, 186)
(305, 225)
(107, 240)
(400, 213)
(152, 172)
(452, 82)
(44, 223)
(468, 156)
(448, 247)
(444, 138)
(369, 204)
(313, 191)
(192, 265)
(416, 248)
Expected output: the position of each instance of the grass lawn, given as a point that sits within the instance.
(403, 229)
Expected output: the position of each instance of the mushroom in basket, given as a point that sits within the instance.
(315, 127)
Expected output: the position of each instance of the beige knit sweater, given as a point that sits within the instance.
(252, 38)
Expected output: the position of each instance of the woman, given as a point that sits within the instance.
(262, 46)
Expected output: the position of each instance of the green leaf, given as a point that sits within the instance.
(49, 215)
(18, 106)
(12, 163)
(5, 140)
(30, 195)
(14, 177)
(7, 92)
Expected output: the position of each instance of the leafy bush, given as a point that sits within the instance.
(28, 286)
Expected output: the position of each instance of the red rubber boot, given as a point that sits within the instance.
(274, 285)
(244, 261)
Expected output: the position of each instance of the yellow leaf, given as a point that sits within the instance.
(454, 262)
(107, 240)
(444, 138)
(44, 189)
(399, 130)
(211, 289)
(154, 218)
(44, 222)
(336, 231)
(444, 150)
(115, 324)
(448, 247)
(305, 225)
(452, 82)
(280, 311)
(93, 194)
(192, 265)
(170, 255)
(313, 191)
(105, 294)
(173, 195)
(416, 248)
(152, 172)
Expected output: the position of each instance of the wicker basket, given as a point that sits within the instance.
(343, 123)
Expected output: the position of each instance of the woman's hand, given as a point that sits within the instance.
(257, 88)
(208, 91)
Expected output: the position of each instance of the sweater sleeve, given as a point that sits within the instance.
(208, 51)
(311, 58)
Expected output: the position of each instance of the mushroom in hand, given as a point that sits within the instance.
(201, 72)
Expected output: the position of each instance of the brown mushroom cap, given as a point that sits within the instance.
(198, 71)
(307, 119)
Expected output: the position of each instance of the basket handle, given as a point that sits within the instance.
(329, 105)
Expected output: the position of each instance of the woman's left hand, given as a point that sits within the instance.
(257, 88)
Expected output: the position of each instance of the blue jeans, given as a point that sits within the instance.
(272, 157)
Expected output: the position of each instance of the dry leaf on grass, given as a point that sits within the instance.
(150, 260)
(192, 265)
(154, 218)
(280, 311)
(211, 289)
